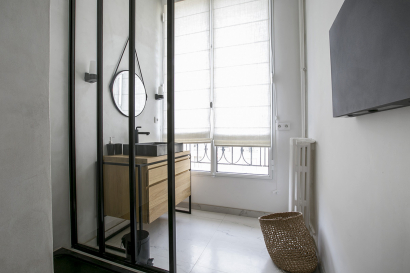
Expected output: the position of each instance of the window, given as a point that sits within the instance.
(223, 84)
(200, 156)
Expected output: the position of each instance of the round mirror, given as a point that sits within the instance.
(119, 91)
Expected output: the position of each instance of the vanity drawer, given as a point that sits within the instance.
(158, 174)
(158, 195)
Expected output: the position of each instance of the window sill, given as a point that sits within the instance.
(234, 175)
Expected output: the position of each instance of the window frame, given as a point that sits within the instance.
(272, 150)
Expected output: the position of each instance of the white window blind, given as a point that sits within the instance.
(241, 87)
(242, 90)
(192, 72)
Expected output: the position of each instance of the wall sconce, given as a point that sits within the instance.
(160, 94)
(91, 77)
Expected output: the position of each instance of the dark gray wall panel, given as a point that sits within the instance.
(370, 55)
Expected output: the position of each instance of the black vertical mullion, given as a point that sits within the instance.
(100, 87)
(131, 132)
(140, 198)
(72, 155)
(170, 133)
(260, 156)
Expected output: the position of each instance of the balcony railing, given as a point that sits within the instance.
(242, 160)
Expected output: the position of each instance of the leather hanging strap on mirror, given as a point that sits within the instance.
(119, 61)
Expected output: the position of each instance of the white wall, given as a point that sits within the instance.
(257, 194)
(362, 183)
(25, 193)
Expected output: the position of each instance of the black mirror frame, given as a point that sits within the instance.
(112, 92)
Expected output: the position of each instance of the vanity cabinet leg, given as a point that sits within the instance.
(189, 207)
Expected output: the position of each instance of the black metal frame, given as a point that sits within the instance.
(72, 155)
(171, 134)
(101, 253)
(131, 133)
(61, 252)
(189, 211)
(100, 141)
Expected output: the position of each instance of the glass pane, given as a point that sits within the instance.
(200, 156)
(151, 185)
(86, 124)
(151, 195)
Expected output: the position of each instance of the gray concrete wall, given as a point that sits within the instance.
(59, 41)
(25, 181)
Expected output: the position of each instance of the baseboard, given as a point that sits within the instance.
(226, 210)
(102, 263)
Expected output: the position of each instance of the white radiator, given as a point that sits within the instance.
(300, 175)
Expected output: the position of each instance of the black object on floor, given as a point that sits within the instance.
(142, 244)
(67, 261)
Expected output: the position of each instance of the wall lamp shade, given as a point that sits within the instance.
(91, 77)
(160, 94)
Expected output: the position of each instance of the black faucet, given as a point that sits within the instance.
(139, 133)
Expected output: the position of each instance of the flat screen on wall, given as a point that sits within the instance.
(370, 57)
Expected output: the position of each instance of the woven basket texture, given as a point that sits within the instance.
(288, 241)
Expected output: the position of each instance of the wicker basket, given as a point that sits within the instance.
(288, 241)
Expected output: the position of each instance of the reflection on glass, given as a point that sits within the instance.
(152, 226)
(120, 93)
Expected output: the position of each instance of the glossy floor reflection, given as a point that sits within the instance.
(209, 242)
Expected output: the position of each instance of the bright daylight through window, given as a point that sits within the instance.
(223, 86)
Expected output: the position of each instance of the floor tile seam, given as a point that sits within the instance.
(207, 244)
(233, 220)
(205, 217)
(178, 263)
(218, 270)
(230, 222)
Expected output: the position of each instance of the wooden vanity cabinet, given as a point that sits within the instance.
(154, 185)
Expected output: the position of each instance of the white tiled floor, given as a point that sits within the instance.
(209, 242)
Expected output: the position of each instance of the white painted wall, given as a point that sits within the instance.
(257, 194)
(362, 181)
(25, 180)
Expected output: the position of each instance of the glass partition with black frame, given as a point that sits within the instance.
(86, 137)
(119, 212)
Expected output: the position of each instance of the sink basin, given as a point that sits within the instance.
(152, 148)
